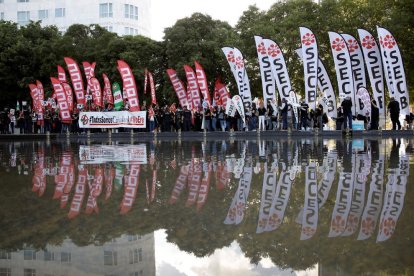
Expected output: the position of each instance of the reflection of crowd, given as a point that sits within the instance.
(174, 118)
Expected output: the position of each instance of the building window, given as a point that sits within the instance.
(22, 1)
(131, 12)
(1, 1)
(110, 258)
(137, 273)
(105, 10)
(23, 17)
(65, 257)
(5, 271)
(60, 12)
(29, 255)
(29, 272)
(43, 14)
(132, 238)
(1, 15)
(49, 256)
(130, 31)
(4, 255)
(135, 256)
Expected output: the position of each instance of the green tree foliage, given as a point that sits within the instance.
(32, 52)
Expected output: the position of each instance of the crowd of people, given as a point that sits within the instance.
(175, 118)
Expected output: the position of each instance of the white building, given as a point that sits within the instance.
(127, 255)
(124, 17)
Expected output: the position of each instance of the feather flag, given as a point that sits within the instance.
(129, 85)
(268, 82)
(179, 87)
(77, 82)
(202, 82)
(310, 64)
(372, 57)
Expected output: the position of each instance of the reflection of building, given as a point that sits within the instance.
(124, 17)
(129, 255)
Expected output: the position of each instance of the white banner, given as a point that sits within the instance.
(358, 67)
(310, 64)
(393, 60)
(113, 119)
(236, 62)
(343, 67)
(279, 69)
(268, 82)
(373, 64)
(325, 86)
(365, 99)
(239, 106)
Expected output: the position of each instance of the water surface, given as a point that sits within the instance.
(254, 207)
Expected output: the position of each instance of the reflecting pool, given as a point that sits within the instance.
(231, 207)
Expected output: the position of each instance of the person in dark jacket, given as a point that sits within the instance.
(374, 115)
(347, 109)
(394, 109)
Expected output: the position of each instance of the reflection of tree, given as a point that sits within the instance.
(40, 221)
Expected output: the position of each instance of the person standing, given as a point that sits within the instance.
(262, 113)
(347, 110)
(394, 109)
(304, 108)
(284, 110)
(374, 115)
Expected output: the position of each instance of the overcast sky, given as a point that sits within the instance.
(165, 13)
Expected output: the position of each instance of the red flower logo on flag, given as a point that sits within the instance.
(261, 49)
(308, 39)
(230, 56)
(274, 220)
(308, 231)
(338, 224)
(388, 226)
(388, 41)
(352, 45)
(368, 42)
(367, 226)
(273, 50)
(352, 223)
(338, 44)
(239, 63)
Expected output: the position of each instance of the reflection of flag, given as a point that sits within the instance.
(280, 200)
(394, 199)
(203, 191)
(374, 201)
(130, 190)
(268, 193)
(310, 208)
(95, 190)
(180, 184)
(194, 184)
(39, 179)
(62, 178)
(342, 204)
(109, 180)
(235, 214)
(79, 193)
